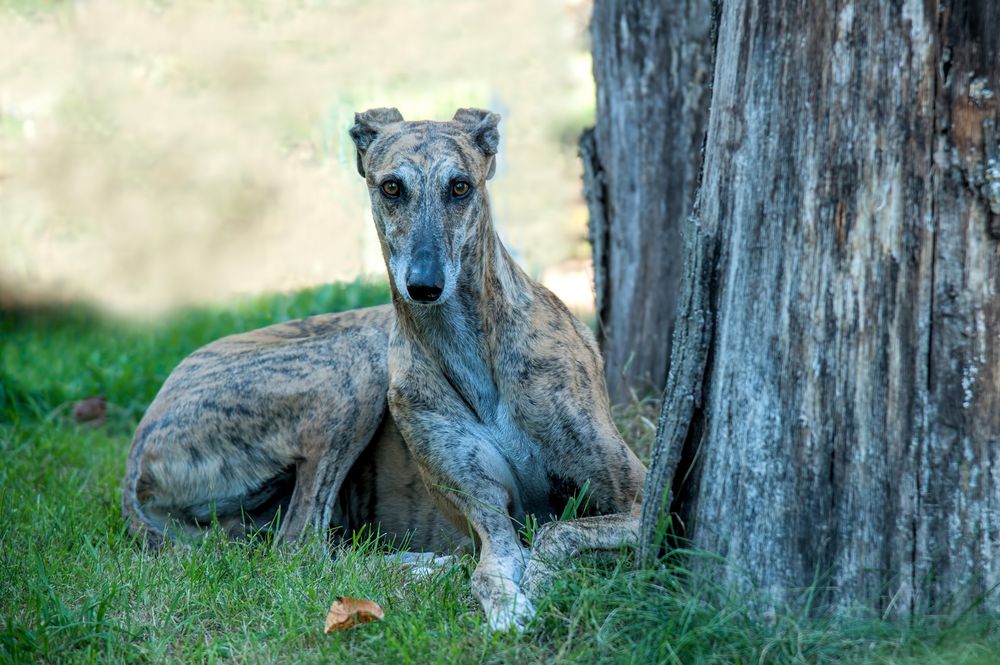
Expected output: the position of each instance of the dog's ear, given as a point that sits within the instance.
(366, 127)
(482, 126)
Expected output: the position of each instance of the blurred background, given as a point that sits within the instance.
(155, 155)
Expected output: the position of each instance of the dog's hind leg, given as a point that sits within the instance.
(331, 443)
(559, 542)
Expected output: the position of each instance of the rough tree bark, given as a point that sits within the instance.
(833, 409)
(652, 64)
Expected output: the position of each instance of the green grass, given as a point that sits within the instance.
(74, 587)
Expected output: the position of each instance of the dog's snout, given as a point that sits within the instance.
(425, 281)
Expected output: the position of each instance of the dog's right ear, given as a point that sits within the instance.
(366, 127)
(482, 127)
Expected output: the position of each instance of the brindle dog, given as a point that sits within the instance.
(475, 400)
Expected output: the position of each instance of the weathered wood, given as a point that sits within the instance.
(652, 64)
(849, 428)
(677, 423)
(597, 221)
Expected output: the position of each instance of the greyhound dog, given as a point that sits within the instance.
(473, 402)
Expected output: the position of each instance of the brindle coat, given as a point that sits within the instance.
(477, 399)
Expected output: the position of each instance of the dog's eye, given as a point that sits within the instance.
(391, 188)
(460, 189)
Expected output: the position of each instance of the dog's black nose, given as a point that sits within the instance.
(425, 282)
(424, 293)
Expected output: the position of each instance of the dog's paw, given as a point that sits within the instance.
(419, 565)
(510, 614)
(537, 576)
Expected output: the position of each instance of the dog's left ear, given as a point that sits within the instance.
(366, 127)
(482, 126)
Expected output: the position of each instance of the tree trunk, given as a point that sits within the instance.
(652, 64)
(833, 413)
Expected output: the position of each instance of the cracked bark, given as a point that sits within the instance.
(652, 65)
(833, 408)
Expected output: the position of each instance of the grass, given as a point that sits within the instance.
(74, 587)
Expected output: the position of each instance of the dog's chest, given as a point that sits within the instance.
(490, 398)
(485, 383)
(526, 459)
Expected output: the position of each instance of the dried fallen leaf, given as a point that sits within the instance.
(91, 410)
(346, 612)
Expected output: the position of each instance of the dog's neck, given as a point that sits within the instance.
(458, 335)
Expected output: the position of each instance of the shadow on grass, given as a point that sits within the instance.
(52, 355)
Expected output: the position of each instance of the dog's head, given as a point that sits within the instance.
(427, 182)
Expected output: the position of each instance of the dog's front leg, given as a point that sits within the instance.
(463, 469)
(501, 566)
(558, 542)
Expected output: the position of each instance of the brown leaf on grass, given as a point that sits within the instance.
(91, 410)
(346, 612)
